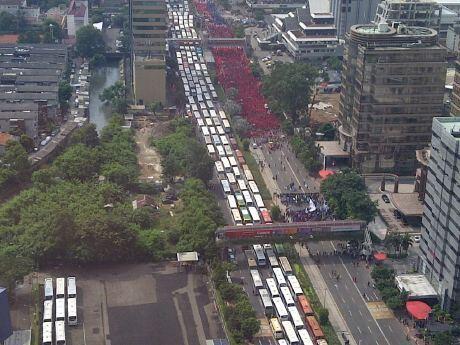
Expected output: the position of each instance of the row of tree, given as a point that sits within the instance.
(398, 243)
(384, 278)
(307, 152)
(346, 195)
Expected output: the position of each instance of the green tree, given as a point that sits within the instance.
(64, 92)
(276, 213)
(16, 159)
(328, 130)
(27, 143)
(51, 31)
(116, 96)
(323, 316)
(289, 88)
(154, 107)
(8, 23)
(13, 266)
(246, 144)
(86, 135)
(97, 15)
(89, 42)
(30, 36)
(288, 127)
(119, 20)
(232, 108)
(249, 327)
(394, 302)
(119, 174)
(443, 338)
(78, 162)
(334, 63)
(406, 242)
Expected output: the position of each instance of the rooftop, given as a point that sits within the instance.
(332, 149)
(451, 125)
(408, 204)
(5, 137)
(417, 285)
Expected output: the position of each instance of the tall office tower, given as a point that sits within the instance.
(425, 13)
(455, 96)
(440, 244)
(351, 12)
(148, 27)
(392, 87)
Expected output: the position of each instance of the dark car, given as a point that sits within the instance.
(385, 199)
(397, 214)
(231, 255)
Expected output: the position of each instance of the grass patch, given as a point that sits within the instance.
(220, 303)
(36, 315)
(310, 293)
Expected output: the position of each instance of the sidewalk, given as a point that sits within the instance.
(335, 317)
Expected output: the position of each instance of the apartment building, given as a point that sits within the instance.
(351, 12)
(392, 86)
(440, 245)
(148, 27)
(76, 17)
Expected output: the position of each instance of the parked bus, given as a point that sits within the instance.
(266, 302)
(60, 309)
(237, 216)
(259, 201)
(257, 281)
(285, 265)
(242, 185)
(60, 287)
(47, 333)
(205, 131)
(287, 297)
(279, 276)
(295, 317)
(224, 140)
(282, 342)
(273, 261)
(72, 319)
(49, 291)
(232, 161)
(254, 215)
(289, 331)
(276, 328)
(220, 130)
(272, 288)
(240, 199)
(248, 175)
(246, 216)
(260, 256)
(216, 139)
(226, 164)
(220, 150)
(236, 171)
(305, 337)
(222, 115)
(231, 179)
(60, 332)
(71, 287)
(294, 285)
(211, 150)
(219, 167)
(305, 306)
(226, 186)
(48, 311)
(226, 125)
(253, 187)
(228, 150)
(314, 327)
(280, 309)
(208, 122)
(247, 197)
(251, 258)
(279, 249)
(266, 216)
(232, 202)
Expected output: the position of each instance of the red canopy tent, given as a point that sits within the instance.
(325, 173)
(418, 310)
(380, 256)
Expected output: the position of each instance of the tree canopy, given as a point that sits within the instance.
(89, 42)
(346, 194)
(116, 96)
(289, 88)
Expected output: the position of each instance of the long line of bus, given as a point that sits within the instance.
(290, 315)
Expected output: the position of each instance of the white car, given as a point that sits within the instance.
(416, 238)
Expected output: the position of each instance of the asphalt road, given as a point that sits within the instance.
(368, 328)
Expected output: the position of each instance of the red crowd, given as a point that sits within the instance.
(233, 70)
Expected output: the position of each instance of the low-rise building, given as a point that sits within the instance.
(149, 80)
(76, 17)
(12, 6)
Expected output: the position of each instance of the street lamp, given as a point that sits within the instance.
(51, 31)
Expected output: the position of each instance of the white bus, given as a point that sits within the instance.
(213, 113)
(305, 337)
(259, 201)
(211, 150)
(271, 258)
(223, 139)
(232, 201)
(279, 276)
(220, 150)
(266, 302)
(222, 115)
(236, 171)
(295, 317)
(72, 311)
(260, 256)
(60, 287)
(208, 122)
(290, 333)
(200, 121)
(282, 342)
(228, 150)
(294, 285)
(247, 197)
(60, 332)
(220, 130)
(226, 186)
(231, 179)
(280, 309)
(285, 265)
(47, 333)
(253, 187)
(48, 311)
(219, 167)
(248, 175)
(242, 185)
(272, 288)
(71, 287)
(232, 161)
(287, 297)
(254, 214)
(226, 125)
(49, 291)
(226, 163)
(60, 309)
(236, 216)
(216, 139)
(212, 130)
(205, 130)
(257, 281)
(276, 328)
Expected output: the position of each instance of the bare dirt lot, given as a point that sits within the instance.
(141, 304)
(327, 115)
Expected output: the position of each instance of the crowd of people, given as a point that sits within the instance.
(303, 207)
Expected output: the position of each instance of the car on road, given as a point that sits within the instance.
(397, 214)
(231, 255)
(386, 199)
(416, 238)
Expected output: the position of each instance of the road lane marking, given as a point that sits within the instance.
(391, 329)
(353, 300)
(349, 275)
(370, 330)
(349, 312)
(359, 329)
(360, 312)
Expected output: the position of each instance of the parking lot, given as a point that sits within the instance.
(140, 304)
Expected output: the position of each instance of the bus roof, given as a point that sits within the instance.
(60, 287)
(60, 330)
(49, 291)
(305, 337)
(290, 332)
(47, 332)
(71, 286)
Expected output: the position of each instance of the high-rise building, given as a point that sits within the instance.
(351, 12)
(440, 245)
(148, 27)
(392, 87)
(425, 13)
(455, 96)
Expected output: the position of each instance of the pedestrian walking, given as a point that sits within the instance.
(368, 284)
